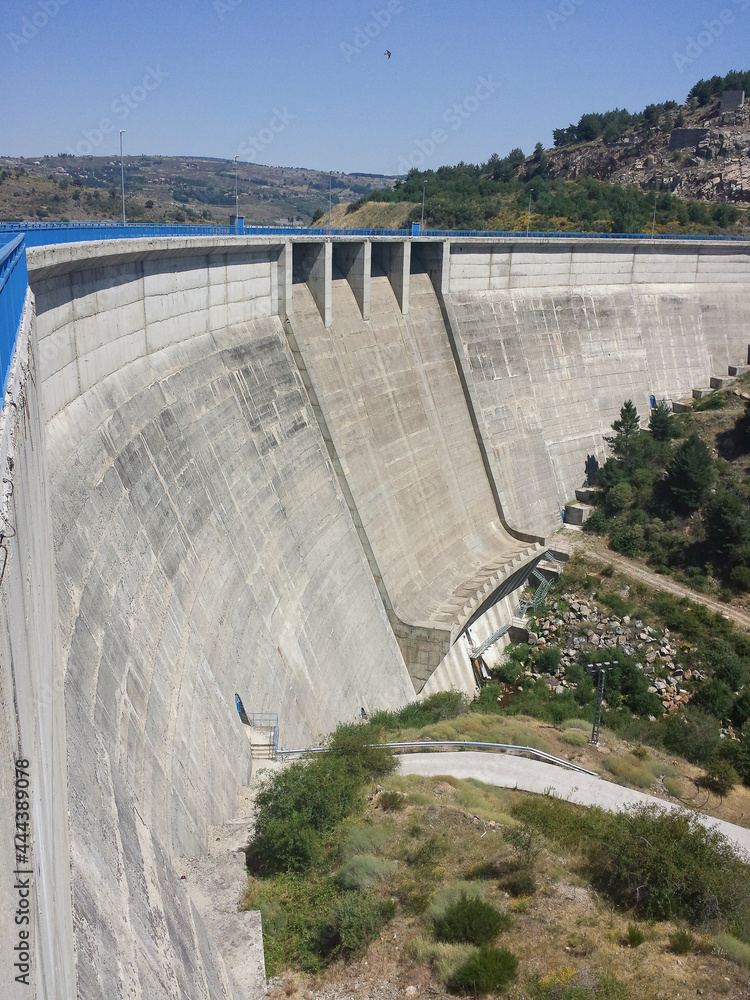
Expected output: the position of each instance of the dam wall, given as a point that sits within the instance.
(297, 469)
(555, 339)
(202, 548)
(36, 912)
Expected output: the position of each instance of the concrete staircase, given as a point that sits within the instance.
(714, 383)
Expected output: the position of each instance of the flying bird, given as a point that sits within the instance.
(387, 53)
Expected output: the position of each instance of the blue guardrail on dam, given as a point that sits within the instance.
(13, 284)
(16, 236)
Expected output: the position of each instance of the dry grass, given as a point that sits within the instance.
(564, 934)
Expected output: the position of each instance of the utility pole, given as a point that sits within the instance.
(122, 175)
(600, 670)
(330, 186)
(653, 225)
(424, 188)
(528, 217)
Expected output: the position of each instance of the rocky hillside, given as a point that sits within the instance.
(171, 189)
(578, 624)
(707, 158)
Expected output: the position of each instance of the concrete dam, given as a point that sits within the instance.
(297, 468)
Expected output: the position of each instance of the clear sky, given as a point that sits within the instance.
(308, 84)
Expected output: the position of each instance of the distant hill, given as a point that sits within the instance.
(607, 173)
(171, 189)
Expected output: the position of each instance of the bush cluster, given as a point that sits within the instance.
(300, 805)
(471, 921)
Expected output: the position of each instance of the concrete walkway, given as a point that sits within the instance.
(526, 775)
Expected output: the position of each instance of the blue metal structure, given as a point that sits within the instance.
(18, 235)
(14, 281)
(44, 233)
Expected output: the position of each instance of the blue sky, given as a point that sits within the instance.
(307, 84)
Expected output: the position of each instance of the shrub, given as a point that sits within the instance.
(520, 883)
(364, 870)
(471, 921)
(736, 951)
(302, 803)
(364, 838)
(720, 777)
(667, 864)
(634, 936)
(356, 920)
(450, 894)
(436, 708)
(597, 522)
(575, 738)
(391, 801)
(549, 660)
(490, 970)
(692, 734)
(716, 698)
(681, 942)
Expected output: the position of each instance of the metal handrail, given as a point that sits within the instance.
(195, 229)
(463, 744)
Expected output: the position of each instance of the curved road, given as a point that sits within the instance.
(508, 771)
(597, 549)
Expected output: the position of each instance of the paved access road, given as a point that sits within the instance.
(508, 771)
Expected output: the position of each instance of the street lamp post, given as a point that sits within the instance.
(424, 188)
(330, 188)
(528, 214)
(122, 175)
(653, 224)
(236, 199)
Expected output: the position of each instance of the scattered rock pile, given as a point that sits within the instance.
(585, 626)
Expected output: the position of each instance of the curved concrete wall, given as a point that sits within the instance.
(554, 340)
(217, 524)
(202, 548)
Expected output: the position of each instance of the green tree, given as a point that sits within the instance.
(623, 442)
(660, 422)
(729, 527)
(690, 474)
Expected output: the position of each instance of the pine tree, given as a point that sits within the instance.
(626, 433)
(660, 422)
(690, 474)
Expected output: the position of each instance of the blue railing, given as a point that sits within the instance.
(14, 281)
(44, 233)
